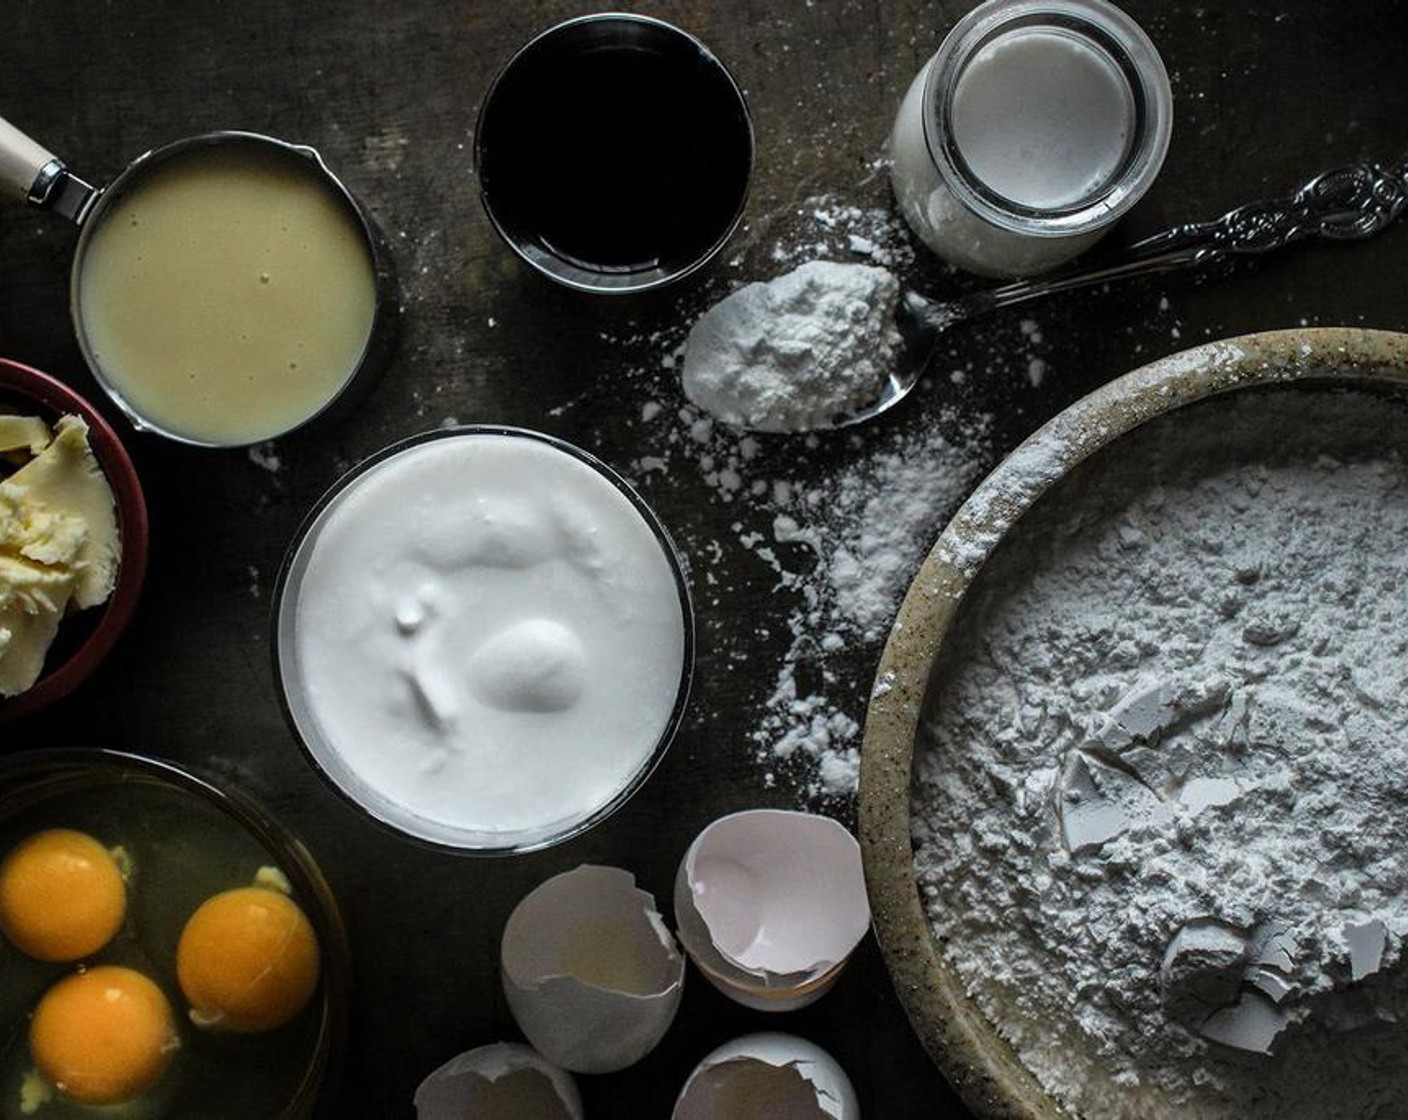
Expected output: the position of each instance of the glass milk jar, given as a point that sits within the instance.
(1031, 130)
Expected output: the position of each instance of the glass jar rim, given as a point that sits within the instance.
(1118, 37)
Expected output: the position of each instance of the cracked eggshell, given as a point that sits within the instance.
(770, 904)
(766, 1076)
(592, 975)
(503, 1081)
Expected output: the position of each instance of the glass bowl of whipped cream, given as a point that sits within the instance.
(484, 639)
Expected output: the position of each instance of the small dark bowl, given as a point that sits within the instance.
(614, 153)
(87, 637)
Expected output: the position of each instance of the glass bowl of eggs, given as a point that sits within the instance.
(167, 949)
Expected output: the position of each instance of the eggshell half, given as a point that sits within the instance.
(503, 1081)
(766, 1076)
(591, 974)
(771, 903)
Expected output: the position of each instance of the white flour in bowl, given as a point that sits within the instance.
(1161, 801)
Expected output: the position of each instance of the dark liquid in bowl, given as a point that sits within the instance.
(616, 148)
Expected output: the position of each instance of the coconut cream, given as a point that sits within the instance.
(483, 638)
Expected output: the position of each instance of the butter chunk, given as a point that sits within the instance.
(31, 588)
(58, 542)
(33, 599)
(65, 481)
(23, 433)
(37, 532)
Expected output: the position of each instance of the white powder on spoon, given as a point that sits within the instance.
(1161, 814)
(796, 352)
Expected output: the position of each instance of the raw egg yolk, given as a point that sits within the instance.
(103, 1035)
(61, 895)
(247, 960)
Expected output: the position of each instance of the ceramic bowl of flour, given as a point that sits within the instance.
(1135, 815)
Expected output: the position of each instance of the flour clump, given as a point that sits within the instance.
(798, 351)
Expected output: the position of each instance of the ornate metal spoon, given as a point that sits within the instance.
(1346, 204)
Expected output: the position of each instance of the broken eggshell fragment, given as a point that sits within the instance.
(1239, 988)
(770, 904)
(766, 1076)
(592, 975)
(502, 1081)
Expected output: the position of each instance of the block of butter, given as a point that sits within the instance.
(58, 541)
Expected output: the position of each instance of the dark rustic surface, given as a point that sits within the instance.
(1264, 94)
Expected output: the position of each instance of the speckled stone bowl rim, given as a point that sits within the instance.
(980, 1065)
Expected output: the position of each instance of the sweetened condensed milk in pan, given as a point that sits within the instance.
(226, 288)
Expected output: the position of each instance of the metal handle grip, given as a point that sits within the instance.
(25, 164)
(1346, 204)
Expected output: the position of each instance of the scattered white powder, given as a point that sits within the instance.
(842, 526)
(830, 228)
(1161, 813)
(796, 352)
(829, 528)
(265, 455)
(867, 529)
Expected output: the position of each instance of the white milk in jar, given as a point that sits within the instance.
(1034, 127)
(484, 639)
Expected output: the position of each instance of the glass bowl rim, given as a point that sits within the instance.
(573, 276)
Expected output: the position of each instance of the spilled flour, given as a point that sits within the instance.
(866, 533)
(838, 526)
(1161, 814)
(825, 530)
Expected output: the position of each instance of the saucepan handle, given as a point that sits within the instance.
(26, 166)
(32, 172)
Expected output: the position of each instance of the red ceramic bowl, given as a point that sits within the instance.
(85, 638)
